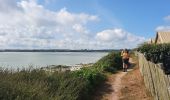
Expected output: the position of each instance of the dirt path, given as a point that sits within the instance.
(133, 87)
(116, 86)
(123, 86)
(110, 90)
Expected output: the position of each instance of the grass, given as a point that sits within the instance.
(133, 85)
(36, 84)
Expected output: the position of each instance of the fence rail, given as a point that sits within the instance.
(156, 81)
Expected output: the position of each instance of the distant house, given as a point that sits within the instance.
(162, 37)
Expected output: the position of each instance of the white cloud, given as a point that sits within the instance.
(163, 28)
(119, 38)
(27, 24)
(110, 35)
(8, 5)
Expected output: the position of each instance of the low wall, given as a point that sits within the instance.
(155, 80)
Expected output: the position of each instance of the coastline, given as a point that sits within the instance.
(65, 68)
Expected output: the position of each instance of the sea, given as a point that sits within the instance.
(14, 60)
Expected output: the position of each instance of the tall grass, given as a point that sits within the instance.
(37, 84)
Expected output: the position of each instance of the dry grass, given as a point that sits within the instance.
(132, 84)
(105, 89)
(133, 87)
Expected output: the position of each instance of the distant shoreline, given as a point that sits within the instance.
(54, 50)
(62, 68)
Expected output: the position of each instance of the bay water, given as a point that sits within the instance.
(42, 59)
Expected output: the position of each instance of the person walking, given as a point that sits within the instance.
(123, 50)
(125, 59)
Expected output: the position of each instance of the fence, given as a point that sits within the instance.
(156, 81)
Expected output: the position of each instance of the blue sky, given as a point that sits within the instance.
(81, 24)
(140, 17)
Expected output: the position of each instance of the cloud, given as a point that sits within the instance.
(26, 24)
(163, 28)
(8, 5)
(110, 35)
(119, 38)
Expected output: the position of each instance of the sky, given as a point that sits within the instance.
(81, 24)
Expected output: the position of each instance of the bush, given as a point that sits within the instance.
(95, 74)
(37, 85)
(14, 87)
(111, 62)
(156, 53)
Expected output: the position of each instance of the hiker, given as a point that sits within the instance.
(125, 59)
(123, 50)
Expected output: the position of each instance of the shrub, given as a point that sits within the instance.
(110, 62)
(94, 74)
(37, 85)
(156, 53)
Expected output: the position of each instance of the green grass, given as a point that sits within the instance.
(36, 84)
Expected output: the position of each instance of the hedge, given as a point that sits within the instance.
(156, 53)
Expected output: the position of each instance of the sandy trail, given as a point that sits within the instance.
(116, 86)
(112, 87)
(124, 86)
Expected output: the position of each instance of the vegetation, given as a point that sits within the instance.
(157, 53)
(106, 63)
(37, 84)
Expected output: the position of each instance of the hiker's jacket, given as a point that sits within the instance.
(125, 55)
